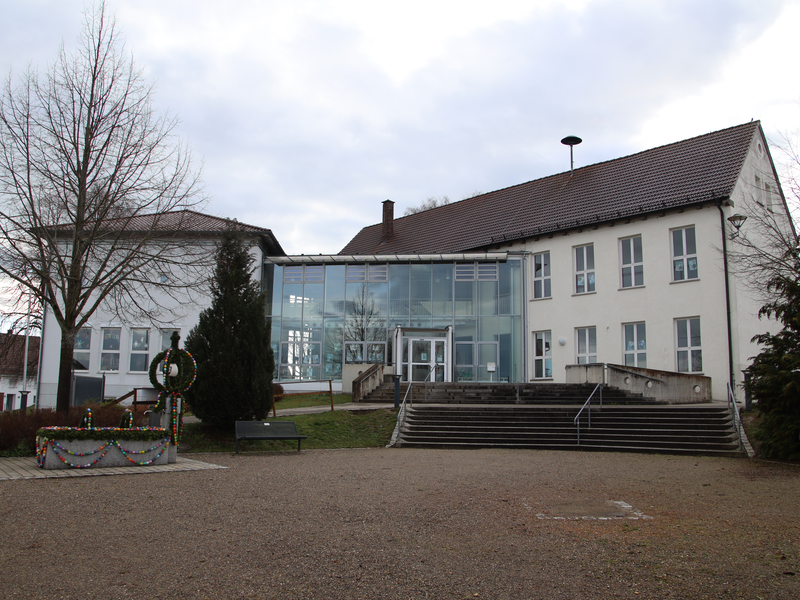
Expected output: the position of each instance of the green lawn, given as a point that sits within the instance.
(313, 400)
(337, 429)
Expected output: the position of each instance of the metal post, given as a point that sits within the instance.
(397, 391)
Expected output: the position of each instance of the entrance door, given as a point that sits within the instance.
(429, 357)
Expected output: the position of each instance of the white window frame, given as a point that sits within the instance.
(691, 351)
(583, 339)
(134, 333)
(634, 345)
(541, 276)
(542, 355)
(681, 262)
(628, 245)
(584, 269)
(107, 349)
(78, 348)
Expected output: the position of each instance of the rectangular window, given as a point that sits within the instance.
(166, 337)
(635, 350)
(541, 275)
(542, 358)
(378, 272)
(632, 262)
(356, 273)
(759, 191)
(586, 345)
(684, 254)
(584, 269)
(690, 354)
(82, 349)
(140, 348)
(109, 357)
(768, 197)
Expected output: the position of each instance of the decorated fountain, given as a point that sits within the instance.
(86, 446)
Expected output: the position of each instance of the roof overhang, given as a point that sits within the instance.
(330, 259)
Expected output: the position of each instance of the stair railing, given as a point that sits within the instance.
(577, 419)
(737, 422)
(409, 398)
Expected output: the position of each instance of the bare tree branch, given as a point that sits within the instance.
(94, 191)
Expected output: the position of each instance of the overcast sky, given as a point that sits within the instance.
(307, 114)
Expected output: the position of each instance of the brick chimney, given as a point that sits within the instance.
(387, 230)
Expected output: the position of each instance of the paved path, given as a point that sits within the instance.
(26, 468)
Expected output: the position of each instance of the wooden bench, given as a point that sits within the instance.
(267, 430)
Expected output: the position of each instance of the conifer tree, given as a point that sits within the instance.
(774, 380)
(231, 344)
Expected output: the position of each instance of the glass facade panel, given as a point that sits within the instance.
(420, 290)
(488, 299)
(348, 313)
(465, 292)
(312, 300)
(442, 290)
(399, 289)
(334, 290)
(292, 301)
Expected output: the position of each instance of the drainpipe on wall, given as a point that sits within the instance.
(731, 377)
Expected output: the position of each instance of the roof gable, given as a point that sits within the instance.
(692, 171)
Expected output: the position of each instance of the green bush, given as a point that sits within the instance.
(18, 429)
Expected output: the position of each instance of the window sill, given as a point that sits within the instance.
(584, 294)
(684, 280)
(631, 287)
(540, 299)
(535, 380)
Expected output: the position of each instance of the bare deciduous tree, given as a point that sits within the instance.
(94, 190)
(428, 204)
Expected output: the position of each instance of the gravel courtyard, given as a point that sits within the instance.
(409, 524)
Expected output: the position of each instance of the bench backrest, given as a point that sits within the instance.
(265, 428)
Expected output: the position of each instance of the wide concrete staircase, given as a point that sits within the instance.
(542, 416)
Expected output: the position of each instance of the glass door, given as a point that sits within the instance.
(429, 357)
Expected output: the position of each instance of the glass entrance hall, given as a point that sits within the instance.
(461, 315)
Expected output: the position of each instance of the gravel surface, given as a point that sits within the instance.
(408, 523)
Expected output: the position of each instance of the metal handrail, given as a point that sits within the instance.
(737, 422)
(588, 403)
(409, 395)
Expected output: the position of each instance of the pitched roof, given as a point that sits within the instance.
(692, 171)
(185, 222)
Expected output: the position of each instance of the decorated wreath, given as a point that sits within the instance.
(179, 370)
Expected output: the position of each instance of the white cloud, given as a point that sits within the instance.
(309, 114)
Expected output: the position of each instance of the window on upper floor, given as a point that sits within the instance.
(684, 254)
(688, 344)
(541, 275)
(140, 350)
(586, 345)
(584, 269)
(632, 262)
(635, 350)
(81, 353)
(109, 356)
